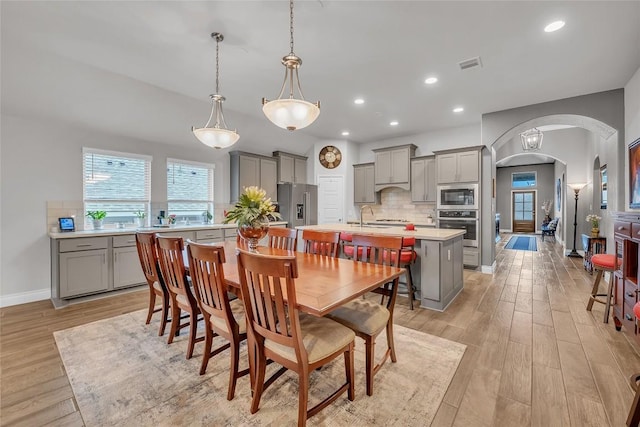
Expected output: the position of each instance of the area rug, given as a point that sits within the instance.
(522, 243)
(123, 374)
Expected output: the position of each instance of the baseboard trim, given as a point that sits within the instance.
(25, 297)
(488, 269)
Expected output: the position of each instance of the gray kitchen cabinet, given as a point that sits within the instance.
(363, 183)
(126, 263)
(252, 170)
(230, 234)
(186, 235)
(423, 179)
(392, 166)
(441, 272)
(453, 167)
(82, 265)
(291, 167)
(210, 236)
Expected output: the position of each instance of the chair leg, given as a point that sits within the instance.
(206, 354)
(609, 292)
(349, 371)
(410, 288)
(370, 344)
(633, 418)
(193, 330)
(152, 305)
(233, 374)
(175, 321)
(594, 290)
(260, 362)
(164, 314)
(303, 396)
(390, 342)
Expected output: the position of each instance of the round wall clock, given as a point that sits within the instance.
(330, 157)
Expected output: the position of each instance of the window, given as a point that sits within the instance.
(189, 189)
(118, 183)
(523, 179)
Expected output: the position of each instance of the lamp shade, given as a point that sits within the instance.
(577, 186)
(216, 137)
(291, 114)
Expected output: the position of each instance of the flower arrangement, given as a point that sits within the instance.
(594, 220)
(97, 215)
(252, 209)
(546, 207)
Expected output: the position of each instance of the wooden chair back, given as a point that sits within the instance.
(264, 282)
(172, 266)
(382, 250)
(283, 238)
(207, 276)
(324, 243)
(147, 252)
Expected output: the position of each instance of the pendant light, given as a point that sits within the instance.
(291, 113)
(216, 136)
(531, 140)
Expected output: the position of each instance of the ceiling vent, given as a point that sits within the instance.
(470, 63)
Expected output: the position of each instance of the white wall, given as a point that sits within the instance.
(43, 161)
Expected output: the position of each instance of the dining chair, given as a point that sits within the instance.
(222, 317)
(368, 318)
(321, 242)
(175, 277)
(299, 342)
(408, 256)
(283, 238)
(147, 252)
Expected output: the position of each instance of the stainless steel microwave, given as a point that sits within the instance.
(458, 196)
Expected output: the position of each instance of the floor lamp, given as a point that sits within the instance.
(576, 189)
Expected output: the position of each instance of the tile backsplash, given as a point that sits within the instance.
(66, 208)
(395, 203)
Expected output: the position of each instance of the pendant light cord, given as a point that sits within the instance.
(217, 66)
(291, 24)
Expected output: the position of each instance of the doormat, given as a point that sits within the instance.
(522, 243)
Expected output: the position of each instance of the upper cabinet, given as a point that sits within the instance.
(460, 166)
(291, 167)
(423, 179)
(252, 170)
(363, 187)
(392, 166)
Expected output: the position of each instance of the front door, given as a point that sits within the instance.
(524, 213)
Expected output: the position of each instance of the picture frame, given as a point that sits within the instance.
(634, 174)
(603, 187)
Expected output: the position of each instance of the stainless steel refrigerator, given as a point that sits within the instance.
(298, 204)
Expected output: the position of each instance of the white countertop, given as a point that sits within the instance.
(395, 223)
(132, 230)
(441, 234)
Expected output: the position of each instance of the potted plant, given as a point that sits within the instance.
(206, 217)
(140, 216)
(97, 217)
(252, 213)
(595, 224)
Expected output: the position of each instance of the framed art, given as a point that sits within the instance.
(603, 187)
(634, 174)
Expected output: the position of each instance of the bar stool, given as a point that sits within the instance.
(407, 257)
(602, 263)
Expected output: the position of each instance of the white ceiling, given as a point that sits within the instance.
(145, 69)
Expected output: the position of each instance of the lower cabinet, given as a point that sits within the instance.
(441, 272)
(83, 272)
(126, 268)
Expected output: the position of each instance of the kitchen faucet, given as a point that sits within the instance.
(361, 209)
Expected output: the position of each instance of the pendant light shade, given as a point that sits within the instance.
(531, 140)
(291, 113)
(216, 135)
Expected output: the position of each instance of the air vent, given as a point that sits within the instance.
(470, 63)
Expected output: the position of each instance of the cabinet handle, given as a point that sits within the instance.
(104, 259)
(84, 245)
(115, 258)
(448, 254)
(628, 317)
(131, 241)
(620, 228)
(630, 294)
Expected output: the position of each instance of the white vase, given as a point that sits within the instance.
(97, 224)
(140, 222)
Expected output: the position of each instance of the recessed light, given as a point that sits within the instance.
(554, 26)
(458, 110)
(358, 101)
(393, 123)
(345, 133)
(431, 80)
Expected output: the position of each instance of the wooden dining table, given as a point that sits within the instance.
(323, 283)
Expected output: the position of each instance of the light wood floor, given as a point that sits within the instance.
(534, 355)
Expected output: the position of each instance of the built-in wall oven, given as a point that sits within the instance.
(458, 196)
(466, 220)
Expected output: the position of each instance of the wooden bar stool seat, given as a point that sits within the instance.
(602, 263)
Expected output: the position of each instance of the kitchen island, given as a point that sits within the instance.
(437, 273)
(90, 262)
